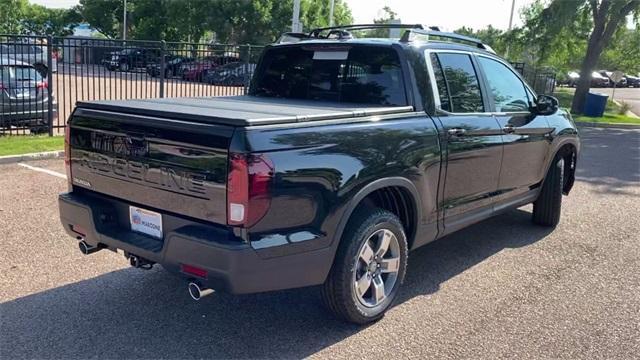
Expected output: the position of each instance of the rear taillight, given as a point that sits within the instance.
(67, 154)
(248, 189)
(42, 85)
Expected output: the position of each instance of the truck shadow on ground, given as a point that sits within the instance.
(136, 314)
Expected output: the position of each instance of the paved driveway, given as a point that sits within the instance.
(502, 288)
(629, 95)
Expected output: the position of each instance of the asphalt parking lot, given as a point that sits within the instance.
(629, 95)
(502, 288)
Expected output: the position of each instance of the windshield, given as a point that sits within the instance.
(9, 74)
(363, 74)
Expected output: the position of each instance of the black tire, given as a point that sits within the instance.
(547, 208)
(338, 291)
(124, 66)
(38, 130)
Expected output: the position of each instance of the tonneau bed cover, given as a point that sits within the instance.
(242, 110)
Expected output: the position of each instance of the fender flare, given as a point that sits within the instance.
(370, 188)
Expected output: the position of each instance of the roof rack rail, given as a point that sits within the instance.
(315, 33)
(341, 32)
(407, 36)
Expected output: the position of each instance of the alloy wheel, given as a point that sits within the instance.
(377, 267)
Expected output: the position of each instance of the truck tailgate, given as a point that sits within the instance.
(170, 165)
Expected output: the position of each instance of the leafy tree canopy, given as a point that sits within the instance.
(22, 18)
(247, 21)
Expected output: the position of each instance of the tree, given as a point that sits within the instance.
(624, 52)
(21, 18)
(11, 11)
(607, 17)
(247, 21)
(489, 35)
(103, 15)
(40, 20)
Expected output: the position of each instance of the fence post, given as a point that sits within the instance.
(163, 48)
(246, 69)
(49, 85)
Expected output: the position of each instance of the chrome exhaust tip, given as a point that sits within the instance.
(87, 249)
(197, 292)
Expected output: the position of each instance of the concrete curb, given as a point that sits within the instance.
(606, 125)
(10, 159)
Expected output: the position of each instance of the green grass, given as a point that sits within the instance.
(610, 116)
(565, 97)
(24, 144)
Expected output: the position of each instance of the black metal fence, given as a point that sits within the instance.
(42, 78)
(542, 80)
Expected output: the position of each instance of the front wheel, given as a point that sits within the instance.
(369, 267)
(547, 208)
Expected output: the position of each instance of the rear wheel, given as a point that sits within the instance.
(369, 267)
(547, 208)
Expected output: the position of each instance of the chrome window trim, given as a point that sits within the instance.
(434, 86)
(436, 93)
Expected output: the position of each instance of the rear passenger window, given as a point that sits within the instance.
(457, 83)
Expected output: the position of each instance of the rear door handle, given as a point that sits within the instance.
(509, 129)
(456, 131)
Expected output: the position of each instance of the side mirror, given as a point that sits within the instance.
(546, 105)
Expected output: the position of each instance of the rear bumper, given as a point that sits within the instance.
(232, 266)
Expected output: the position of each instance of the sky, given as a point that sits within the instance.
(447, 14)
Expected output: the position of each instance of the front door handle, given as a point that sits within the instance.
(509, 129)
(456, 131)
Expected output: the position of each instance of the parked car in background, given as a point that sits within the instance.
(127, 59)
(597, 80)
(632, 81)
(33, 54)
(572, 78)
(172, 65)
(609, 74)
(197, 70)
(23, 96)
(233, 74)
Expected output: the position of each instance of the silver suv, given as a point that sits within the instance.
(24, 96)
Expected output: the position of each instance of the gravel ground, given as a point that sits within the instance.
(501, 288)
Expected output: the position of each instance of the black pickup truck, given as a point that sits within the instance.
(345, 155)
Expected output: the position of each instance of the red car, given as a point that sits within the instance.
(197, 70)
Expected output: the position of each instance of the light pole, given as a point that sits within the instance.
(513, 6)
(333, 3)
(295, 20)
(124, 21)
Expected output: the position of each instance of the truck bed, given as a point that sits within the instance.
(242, 110)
